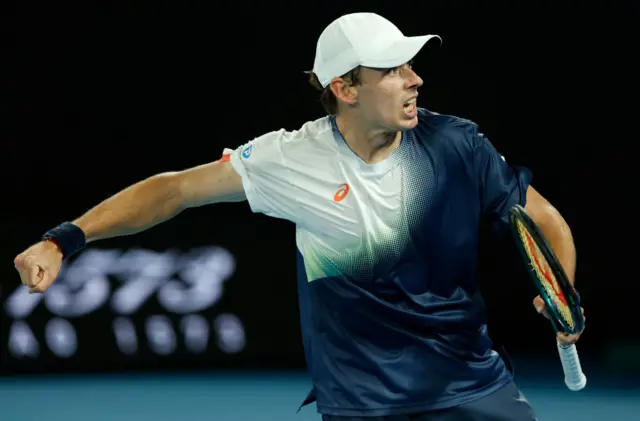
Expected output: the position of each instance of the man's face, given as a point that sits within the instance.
(387, 97)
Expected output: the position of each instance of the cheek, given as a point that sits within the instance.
(388, 108)
(383, 104)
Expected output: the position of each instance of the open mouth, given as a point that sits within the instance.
(410, 105)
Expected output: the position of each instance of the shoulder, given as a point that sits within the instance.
(447, 128)
(309, 134)
(282, 148)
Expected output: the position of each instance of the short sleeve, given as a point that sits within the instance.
(266, 179)
(502, 185)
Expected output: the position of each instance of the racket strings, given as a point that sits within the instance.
(545, 275)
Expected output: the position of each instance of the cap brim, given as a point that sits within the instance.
(400, 52)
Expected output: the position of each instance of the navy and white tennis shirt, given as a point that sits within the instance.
(392, 321)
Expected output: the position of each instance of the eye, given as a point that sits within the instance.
(396, 70)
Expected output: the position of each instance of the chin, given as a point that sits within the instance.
(408, 123)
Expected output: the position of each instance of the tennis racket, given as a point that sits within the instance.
(561, 299)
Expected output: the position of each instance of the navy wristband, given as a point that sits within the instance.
(68, 237)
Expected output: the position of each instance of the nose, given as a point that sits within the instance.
(412, 80)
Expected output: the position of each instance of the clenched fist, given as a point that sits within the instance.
(39, 266)
(563, 338)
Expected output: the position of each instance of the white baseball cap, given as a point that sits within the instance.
(363, 39)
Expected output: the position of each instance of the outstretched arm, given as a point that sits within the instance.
(134, 209)
(159, 198)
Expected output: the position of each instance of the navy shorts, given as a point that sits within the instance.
(506, 404)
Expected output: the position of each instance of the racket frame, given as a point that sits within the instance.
(518, 214)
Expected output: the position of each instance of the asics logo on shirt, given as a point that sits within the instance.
(341, 193)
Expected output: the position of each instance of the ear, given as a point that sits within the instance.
(344, 91)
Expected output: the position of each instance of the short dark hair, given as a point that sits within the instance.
(327, 98)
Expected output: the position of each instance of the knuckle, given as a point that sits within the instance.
(19, 259)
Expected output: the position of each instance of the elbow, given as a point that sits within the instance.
(169, 183)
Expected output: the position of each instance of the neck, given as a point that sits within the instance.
(371, 144)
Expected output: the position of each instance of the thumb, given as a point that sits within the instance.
(43, 282)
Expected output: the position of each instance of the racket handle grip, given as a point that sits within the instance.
(574, 378)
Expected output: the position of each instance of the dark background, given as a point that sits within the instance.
(103, 95)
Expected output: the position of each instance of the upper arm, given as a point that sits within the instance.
(536, 204)
(501, 185)
(539, 209)
(265, 168)
(255, 171)
(209, 183)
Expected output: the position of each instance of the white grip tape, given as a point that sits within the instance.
(573, 375)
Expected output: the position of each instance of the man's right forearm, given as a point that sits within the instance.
(134, 209)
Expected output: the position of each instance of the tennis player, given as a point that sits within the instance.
(387, 199)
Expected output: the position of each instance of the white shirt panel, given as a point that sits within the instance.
(297, 175)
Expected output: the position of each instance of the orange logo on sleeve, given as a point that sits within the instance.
(341, 193)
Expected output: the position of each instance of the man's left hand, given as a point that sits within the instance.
(563, 338)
